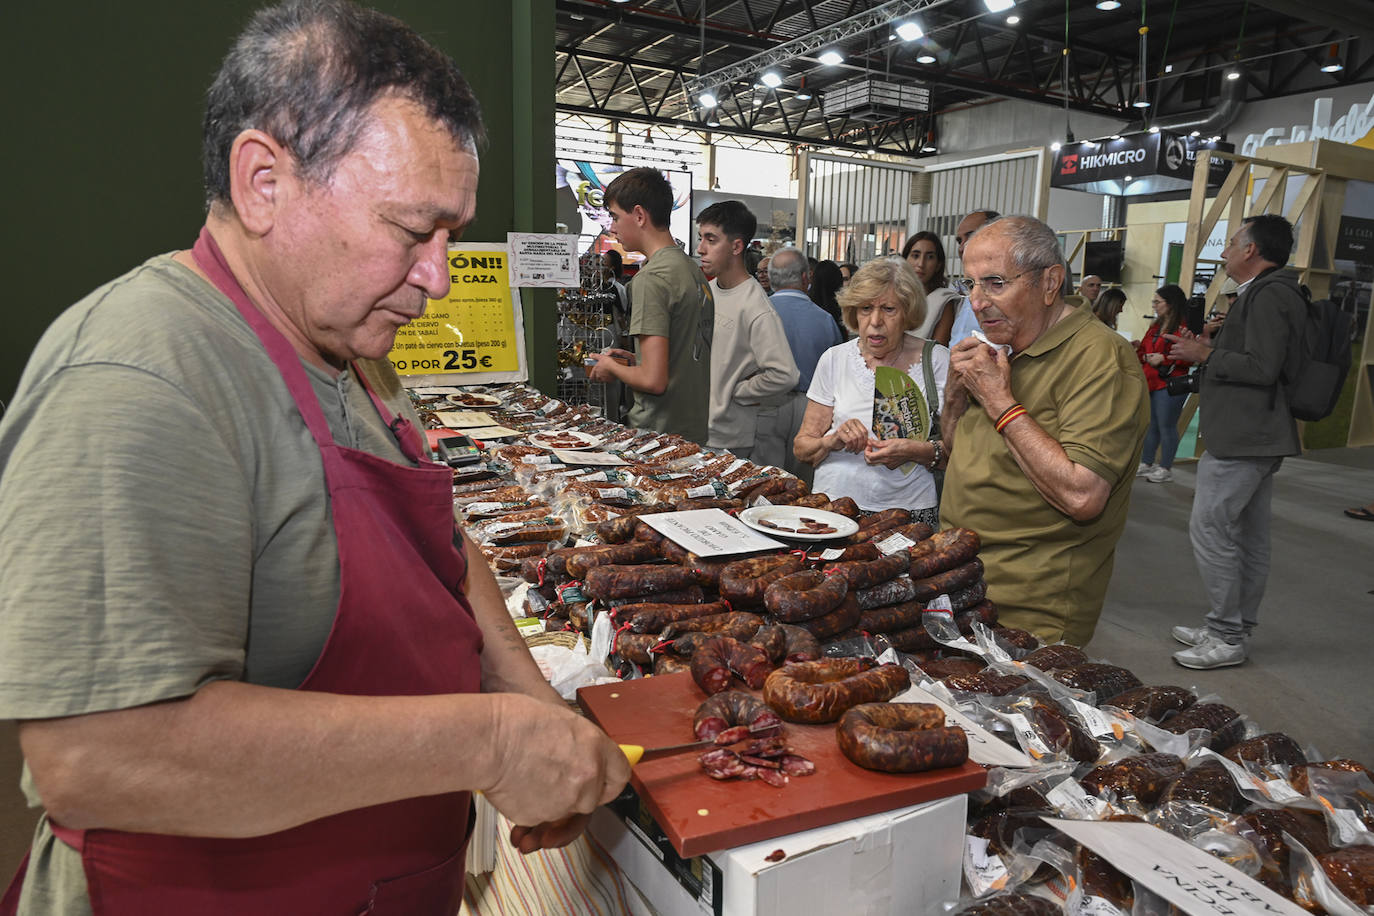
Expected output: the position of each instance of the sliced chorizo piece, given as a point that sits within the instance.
(804, 595)
(900, 738)
(716, 659)
(821, 691)
(730, 709)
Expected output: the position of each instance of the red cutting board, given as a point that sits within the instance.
(700, 814)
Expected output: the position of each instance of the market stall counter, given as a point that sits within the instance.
(597, 529)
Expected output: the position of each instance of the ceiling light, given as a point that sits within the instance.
(1233, 74)
(909, 31)
(1333, 61)
(1168, 68)
(707, 100)
(1108, 5)
(1013, 20)
(1140, 103)
(1116, 136)
(1154, 129)
(1196, 133)
(1129, 178)
(831, 58)
(926, 59)
(997, 6)
(713, 124)
(928, 149)
(1215, 139)
(1056, 146)
(803, 96)
(758, 102)
(771, 79)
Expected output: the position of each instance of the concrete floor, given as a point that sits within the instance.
(1308, 674)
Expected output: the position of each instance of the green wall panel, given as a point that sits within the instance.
(102, 149)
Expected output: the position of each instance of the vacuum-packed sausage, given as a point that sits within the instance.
(804, 595)
(1059, 655)
(943, 550)
(900, 738)
(692, 594)
(912, 639)
(893, 591)
(837, 621)
(619, 530)
(866, 574)
(821, 691)
(708, 502)
(742, 582)
(716, 659)
(950, 580)
(652, 618)
(984, 612)
(965, 598)
(1106, 681)
(614, 581)
(1153, 703)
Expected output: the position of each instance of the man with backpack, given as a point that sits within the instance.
(1249, 428)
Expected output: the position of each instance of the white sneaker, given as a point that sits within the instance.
(1159, 475)
(1212, 652)
(1143, 469)
(1189, 636)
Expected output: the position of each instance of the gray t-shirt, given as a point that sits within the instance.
(165, 516)
(670, 298)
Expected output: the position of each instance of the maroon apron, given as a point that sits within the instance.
(403, 627)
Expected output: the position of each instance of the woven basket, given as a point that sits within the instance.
(565, 638)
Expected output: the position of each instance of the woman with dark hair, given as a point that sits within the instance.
(1108, 306)
(926, 255)
(826, 282)
(1169, 304)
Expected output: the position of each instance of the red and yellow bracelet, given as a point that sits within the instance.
(1011, 413)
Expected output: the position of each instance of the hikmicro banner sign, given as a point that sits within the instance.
(1143, 163)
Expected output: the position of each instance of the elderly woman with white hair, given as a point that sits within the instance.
(872, 435)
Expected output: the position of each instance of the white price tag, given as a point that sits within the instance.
(707, 490)
(1028, 737)
(647, 447)
(940, 603)
(832, 553)
(984, 871)
(1074, 802)
(1087, 905)
(894, 543)
(1281, 791)
(1094, 718)
(593, 477)
(536, 459)
(888, 657)
(613, 493)
(663, 451)
(1349, 827)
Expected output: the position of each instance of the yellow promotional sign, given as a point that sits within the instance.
(473, 329)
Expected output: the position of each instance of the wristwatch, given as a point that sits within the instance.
(936, 455)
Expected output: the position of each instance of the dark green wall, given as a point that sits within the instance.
(102, 156)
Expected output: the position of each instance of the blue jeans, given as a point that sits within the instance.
(1163, 432)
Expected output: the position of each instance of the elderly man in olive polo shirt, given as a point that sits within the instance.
(1043, 423)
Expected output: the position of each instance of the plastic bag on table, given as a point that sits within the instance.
(1347, 803)
(1340, 882)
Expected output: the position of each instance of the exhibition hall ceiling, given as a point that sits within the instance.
(771, 68)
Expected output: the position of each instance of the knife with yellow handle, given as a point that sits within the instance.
(635, 753)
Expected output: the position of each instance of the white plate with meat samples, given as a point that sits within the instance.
(473, 399)
(798, 523)
(570, 440)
